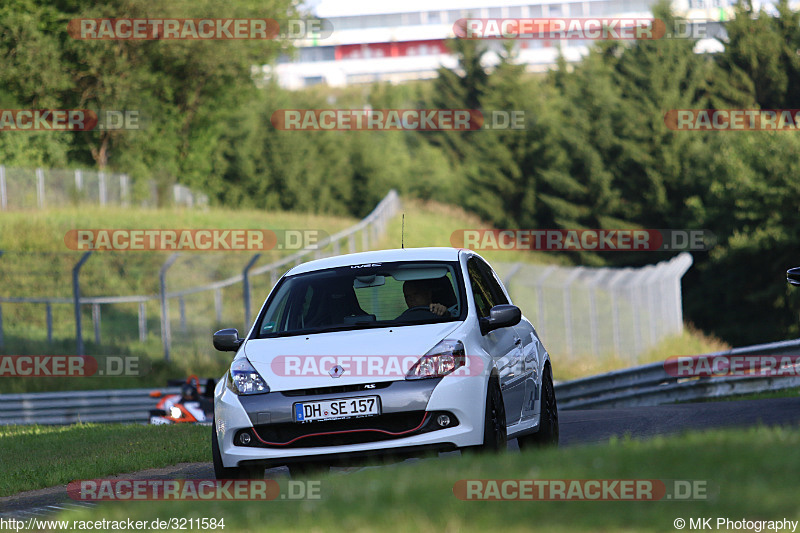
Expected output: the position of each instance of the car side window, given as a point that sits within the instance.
(480, 289)
(498, 296)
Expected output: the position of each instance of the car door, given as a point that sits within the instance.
(503, 344)
(531, 351)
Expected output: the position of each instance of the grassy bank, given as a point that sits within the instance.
(34, 457)
(737, 468)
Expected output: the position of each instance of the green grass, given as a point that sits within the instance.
(34, 457)
(690, 342)
(44, 230)
(749, 474)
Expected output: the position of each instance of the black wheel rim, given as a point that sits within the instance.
(552, 409)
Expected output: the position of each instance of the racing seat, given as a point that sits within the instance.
(331, 306)
(442, 292)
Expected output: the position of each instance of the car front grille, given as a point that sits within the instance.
(342, 432)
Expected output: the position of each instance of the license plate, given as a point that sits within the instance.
(332, 409)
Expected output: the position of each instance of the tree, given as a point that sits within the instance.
(762, 52)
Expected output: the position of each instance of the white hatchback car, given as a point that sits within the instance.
(387, 353)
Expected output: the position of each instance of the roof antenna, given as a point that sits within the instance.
(403, 232)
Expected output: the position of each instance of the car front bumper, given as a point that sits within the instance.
(462, 397)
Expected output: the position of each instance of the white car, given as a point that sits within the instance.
(387, 353)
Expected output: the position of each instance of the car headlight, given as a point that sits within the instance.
(442, 359)
(243, 379)
(175, 412)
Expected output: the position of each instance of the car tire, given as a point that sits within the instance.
(548, 423)
(495, 435)
(223, 472)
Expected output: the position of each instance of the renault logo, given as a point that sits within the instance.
(336, 371)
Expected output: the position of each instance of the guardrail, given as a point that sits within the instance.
(651, 384)
(69, 407)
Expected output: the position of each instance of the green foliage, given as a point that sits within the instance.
(762, 51)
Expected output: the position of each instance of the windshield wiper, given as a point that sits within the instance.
(437, 320)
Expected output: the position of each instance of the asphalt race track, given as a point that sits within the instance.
(597, 425)
(577, 427)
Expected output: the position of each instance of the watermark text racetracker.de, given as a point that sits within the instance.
(73, 366)
(589, 28)
(197, 29)
(70, 120)
(376, 366)
(581, 489)
(750, 365)
(397, 119)
(193, 489)
(733, 119)
(600, 240)
(214, 239)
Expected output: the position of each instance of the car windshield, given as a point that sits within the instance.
(364, 296)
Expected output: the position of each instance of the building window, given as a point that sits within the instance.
(616, 7)
(317, 53)
(453, 15)
(597, 9)
(575, 9)
(372, 21)
(413, 18)
(347, 23)
(313, 80)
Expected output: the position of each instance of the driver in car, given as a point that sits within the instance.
(418, 294)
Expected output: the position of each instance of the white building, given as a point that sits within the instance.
(399, 41)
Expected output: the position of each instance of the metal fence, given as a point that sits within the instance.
(584, 311)
(185, 309)
(26, 188)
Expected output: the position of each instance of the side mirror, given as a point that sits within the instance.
(227, 340)
(793, 276)
(501, 316)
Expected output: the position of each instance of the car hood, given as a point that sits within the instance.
(304, 361)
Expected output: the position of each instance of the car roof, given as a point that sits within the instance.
(379, 256)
